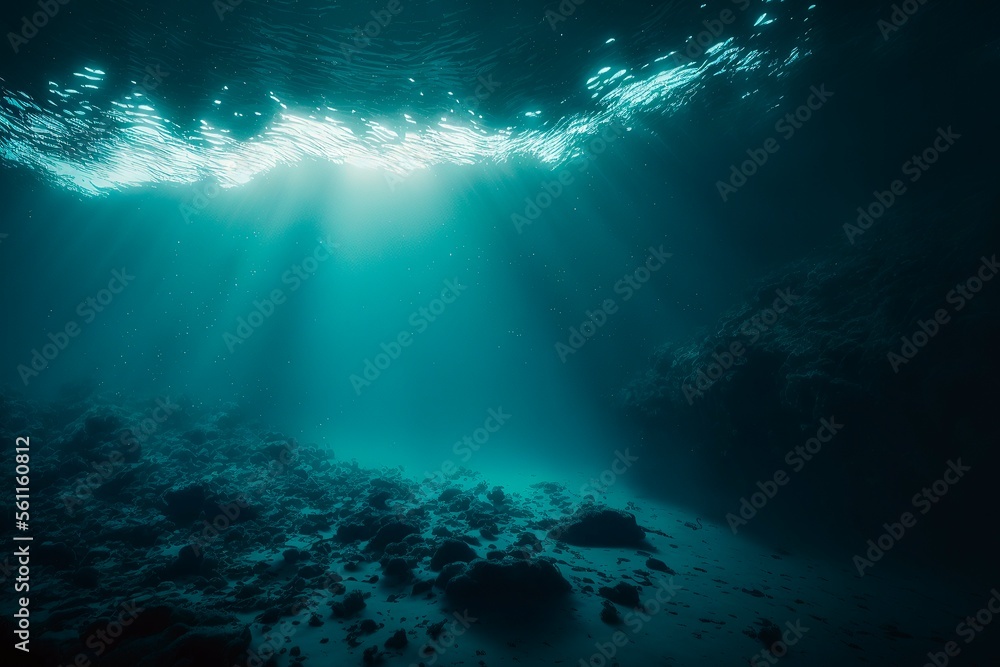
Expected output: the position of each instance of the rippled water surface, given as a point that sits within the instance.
(198, 91)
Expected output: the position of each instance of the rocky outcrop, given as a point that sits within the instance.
(848, 336)
(596, 527)
(508, 581)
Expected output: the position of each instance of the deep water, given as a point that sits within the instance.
(640, 333)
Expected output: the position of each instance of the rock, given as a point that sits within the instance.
(529, 543)
(378, 500)
(355, 531)
(184, 504)
(86, 577)
(659, 565)
(507, 581)
(421, 587)
(163, 635)
(397, 569)
(449, 572)
(819, 360)
(133, 453)
(270, 616)
(396, 549)
(527, 538)
(609, 613)
(452, 551)
(352, 603)
(600, 528)
(434, 630)
(496, 496)
(623, 594)
(196, 436)
(372, 655)
(135, 535)
(769, 634)
(460, 504)
(389, 533)
(189, 561)
(398, 641)
(310, 571)
(58, 555)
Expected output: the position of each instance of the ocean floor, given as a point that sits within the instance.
(212, 542)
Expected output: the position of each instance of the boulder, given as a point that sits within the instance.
(624, 594)
(507, 581)
(389, 533)
(184, 504)
(452, 551)
(600, 527)
(659, 565)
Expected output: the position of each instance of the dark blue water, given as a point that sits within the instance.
(446, 245)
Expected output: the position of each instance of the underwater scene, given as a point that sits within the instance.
(454, 333)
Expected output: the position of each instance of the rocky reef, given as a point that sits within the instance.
(885, 345)
(173, 534)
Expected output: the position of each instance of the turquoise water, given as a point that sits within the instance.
(614, 247)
